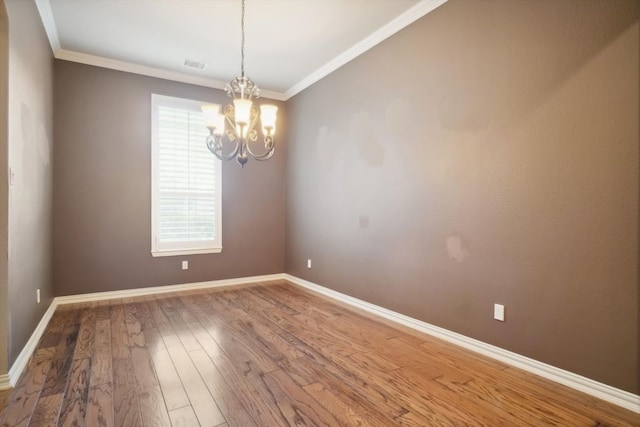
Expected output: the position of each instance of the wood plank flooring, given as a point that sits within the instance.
(271, 355)
(4, 395)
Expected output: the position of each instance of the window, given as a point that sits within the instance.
(186, 181)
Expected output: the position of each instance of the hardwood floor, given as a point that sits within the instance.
(270, 355)
(4, 394)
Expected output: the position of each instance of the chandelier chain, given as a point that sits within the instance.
(242, 48)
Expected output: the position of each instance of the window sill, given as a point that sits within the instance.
(179, 252)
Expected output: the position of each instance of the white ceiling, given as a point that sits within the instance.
(290, 44)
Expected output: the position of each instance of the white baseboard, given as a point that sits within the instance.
(4, 382)
(10, 380)
(610, 394)
(127, 293)
(602, 391)
(23, 358)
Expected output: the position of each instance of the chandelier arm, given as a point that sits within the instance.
(266, 156)
(215, 153)
(232, 154)
(260, 156)
(218, 153)
(270, 146)
(229, 114)
(252, 134)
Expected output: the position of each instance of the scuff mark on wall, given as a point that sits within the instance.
(456, 248)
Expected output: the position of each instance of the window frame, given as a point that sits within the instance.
(186, 247)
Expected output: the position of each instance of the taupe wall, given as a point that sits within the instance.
(30, 145)
(102, 190)
(488, 153)
(4, 205)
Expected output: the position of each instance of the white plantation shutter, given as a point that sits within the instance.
(186, 181)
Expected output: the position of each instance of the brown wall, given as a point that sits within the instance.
(102, 190)
(30, 145)
(488, 153)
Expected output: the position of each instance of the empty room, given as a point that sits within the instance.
(319, 213)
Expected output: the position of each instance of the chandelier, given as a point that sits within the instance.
(236, 125)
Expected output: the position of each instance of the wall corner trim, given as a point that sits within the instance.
(586, 385)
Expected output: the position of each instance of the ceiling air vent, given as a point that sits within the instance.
(196, 65)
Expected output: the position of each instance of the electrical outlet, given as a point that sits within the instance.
(185, 265)
(498, 312)
(308, 263)
(38, 296)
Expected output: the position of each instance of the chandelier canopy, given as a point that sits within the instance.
(236, 125)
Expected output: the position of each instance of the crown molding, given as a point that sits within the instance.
(113, 64)
(49, 23)
(411, 15)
